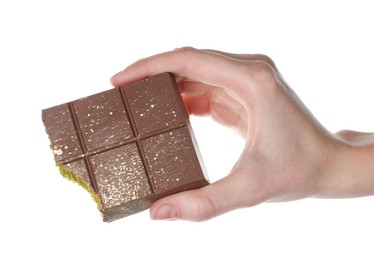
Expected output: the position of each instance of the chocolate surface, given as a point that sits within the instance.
(130, 145)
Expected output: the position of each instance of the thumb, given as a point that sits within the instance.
(228, 193)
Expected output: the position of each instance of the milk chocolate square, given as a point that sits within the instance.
(127, 146)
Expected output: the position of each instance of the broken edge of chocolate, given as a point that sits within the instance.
(127, 146)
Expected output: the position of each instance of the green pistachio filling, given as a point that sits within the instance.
(74, 178)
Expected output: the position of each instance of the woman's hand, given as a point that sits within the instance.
(288, 155)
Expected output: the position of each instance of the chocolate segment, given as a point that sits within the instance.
(128, 146)
(155, 112)
(62, 132)
(100, 113)
(176, 148)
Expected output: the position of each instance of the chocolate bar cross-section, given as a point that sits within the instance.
(128, 146)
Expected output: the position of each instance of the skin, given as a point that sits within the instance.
(288, 154)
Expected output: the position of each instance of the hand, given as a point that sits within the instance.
(288, 155)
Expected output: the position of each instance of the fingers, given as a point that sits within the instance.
(197, 105)
(240, 75)
(207, 202)
(195, 88)
(205, 67)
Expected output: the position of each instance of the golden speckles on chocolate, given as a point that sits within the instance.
(131, 145)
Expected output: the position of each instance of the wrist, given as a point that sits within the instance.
(350, 170)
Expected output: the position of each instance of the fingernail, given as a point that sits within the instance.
(164, 212)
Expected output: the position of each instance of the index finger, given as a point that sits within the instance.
(205, 67)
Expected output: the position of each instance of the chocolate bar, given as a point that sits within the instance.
(127, 146)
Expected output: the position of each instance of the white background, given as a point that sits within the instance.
(52, 52)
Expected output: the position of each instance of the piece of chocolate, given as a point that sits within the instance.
(127, 146)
